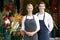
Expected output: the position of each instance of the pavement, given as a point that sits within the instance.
(56, 38)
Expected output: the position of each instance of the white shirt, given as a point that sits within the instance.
(48, 20)
(30, 17)
(40, 16)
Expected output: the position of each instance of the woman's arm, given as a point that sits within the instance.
(23, 26)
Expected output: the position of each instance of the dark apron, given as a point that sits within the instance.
(43, 33)
(30, 26)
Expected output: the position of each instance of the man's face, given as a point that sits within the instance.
(41, 7)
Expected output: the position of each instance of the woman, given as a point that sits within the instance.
(30, 24)
(46, 23)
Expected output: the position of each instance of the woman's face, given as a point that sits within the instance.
(29, 8)
(41, 7)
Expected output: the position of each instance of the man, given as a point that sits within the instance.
(46, 22)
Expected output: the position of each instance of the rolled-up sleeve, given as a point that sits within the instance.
(50, 23)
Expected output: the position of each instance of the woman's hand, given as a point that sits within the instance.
(30, 33)
(22, 32)
(27, 33)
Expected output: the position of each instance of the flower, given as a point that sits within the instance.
(18, 18)
(5, 17)
(18, 33)
(6, 21)
(8, 7)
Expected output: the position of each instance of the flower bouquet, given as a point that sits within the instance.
(16, 23)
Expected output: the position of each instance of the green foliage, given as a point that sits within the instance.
(1, 19)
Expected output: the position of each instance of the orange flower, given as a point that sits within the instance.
(18, 18)
(18, 33)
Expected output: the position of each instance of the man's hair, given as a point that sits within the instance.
(42, 3)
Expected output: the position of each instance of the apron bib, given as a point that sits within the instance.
(30, 26)
(43, 33)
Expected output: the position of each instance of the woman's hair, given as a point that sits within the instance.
(29, 5)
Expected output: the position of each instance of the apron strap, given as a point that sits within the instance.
(33, 17)
(26, 17)
(44, 16)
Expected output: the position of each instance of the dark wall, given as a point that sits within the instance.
(18, 5)
(58, 19)
(1, 5)
(59, 13)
